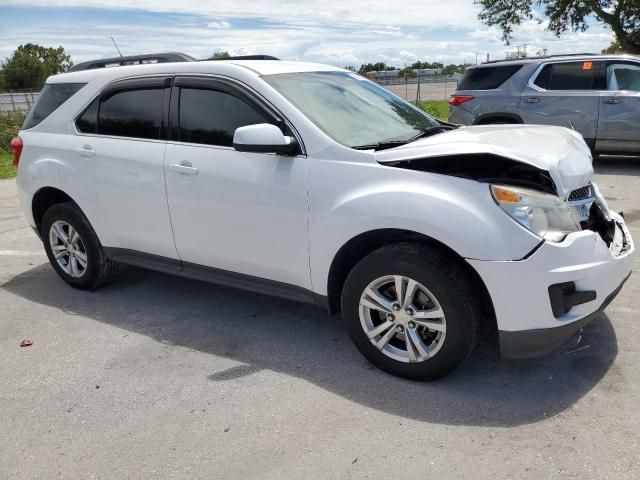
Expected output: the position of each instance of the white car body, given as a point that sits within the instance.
(285, 219)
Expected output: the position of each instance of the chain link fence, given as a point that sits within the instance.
(416, 90)
(18, 101)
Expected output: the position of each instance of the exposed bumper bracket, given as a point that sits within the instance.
(564, 297)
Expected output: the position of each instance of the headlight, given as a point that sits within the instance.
(545, 215)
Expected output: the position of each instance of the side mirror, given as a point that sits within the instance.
(263, 138)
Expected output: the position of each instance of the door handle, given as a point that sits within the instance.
(613, 101)
(86, 151)
(184, 167)
(533, 100)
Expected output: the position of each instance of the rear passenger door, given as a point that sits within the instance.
(619, 124)
(233, 211)
(116, 155)
(564, 94)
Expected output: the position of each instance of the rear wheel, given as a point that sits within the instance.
(73, 247)
(410, 311)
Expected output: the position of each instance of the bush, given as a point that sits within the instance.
(10, 123)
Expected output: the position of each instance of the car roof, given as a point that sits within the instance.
(258, 67)
(557, 58)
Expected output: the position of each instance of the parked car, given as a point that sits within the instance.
(312, 183)
(597, 95)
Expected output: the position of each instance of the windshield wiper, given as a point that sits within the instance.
(427, 132)
(381, 145)
(396, 143)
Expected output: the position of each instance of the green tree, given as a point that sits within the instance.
(621, 16)
(615, 47)
(374, 67)
(31, 64)
(408, 73)
(219, 55)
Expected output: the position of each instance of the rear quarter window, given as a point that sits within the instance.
(487, 78)
(52, 96)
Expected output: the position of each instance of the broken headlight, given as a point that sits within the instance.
(544, 214)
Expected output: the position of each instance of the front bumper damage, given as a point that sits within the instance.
(543, 300)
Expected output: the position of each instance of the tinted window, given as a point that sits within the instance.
(52, 96)
(88, 121)
(487, 78)
(567, 76)
(131, 113)
(211, 116)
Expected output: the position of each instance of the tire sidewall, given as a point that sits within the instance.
(460, 328)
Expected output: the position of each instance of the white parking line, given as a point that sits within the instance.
(20, 253)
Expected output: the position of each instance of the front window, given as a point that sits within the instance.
(623, 76)
(352, 110)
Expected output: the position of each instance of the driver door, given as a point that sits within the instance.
(233, 212)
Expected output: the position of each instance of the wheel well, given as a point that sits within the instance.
(44, 199)
(493, 118)
(359, 247)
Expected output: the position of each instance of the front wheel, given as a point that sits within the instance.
(411, 311)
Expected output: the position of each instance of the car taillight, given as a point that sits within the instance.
(16, 147)
(456, 100)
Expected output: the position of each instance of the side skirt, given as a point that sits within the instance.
(217, 276)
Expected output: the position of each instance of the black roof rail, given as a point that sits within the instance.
(132, 60)
(244, 57)
(542, 57)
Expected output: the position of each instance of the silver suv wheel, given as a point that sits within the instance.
(402, 318)
(68, 249)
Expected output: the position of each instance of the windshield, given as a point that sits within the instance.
(350, 109)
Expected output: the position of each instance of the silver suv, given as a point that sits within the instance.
(597, 95)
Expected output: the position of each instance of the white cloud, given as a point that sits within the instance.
(331, 31)
(219, 25)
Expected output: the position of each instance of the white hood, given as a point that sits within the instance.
(558, 150)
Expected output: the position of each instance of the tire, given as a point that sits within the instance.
(92, 267)
(442, 286)
(498, 121)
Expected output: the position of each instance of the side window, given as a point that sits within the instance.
(212, 116)
(623, 76)
(131, 113)
(568, 76)
(88, 121)
(51, 97)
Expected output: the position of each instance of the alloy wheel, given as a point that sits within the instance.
(402, 318)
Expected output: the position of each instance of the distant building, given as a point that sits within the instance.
(427, 72)
(383, 74)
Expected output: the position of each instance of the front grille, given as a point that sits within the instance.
(581, 193)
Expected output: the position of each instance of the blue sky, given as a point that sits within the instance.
(330, 31)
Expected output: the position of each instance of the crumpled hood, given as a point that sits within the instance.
(558, 150)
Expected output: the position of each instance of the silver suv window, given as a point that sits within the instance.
(568, 76)
(623, 76)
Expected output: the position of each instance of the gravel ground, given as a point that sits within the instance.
(155, 376)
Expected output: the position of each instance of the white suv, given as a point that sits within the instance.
(312, 183)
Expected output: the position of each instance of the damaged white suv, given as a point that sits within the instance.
(312, 183)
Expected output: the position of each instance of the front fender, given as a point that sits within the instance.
(456, 212)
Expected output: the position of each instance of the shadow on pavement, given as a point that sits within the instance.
(295, 339)
(611, 165)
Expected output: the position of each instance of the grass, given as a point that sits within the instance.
(436, 108)
(6, 166)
